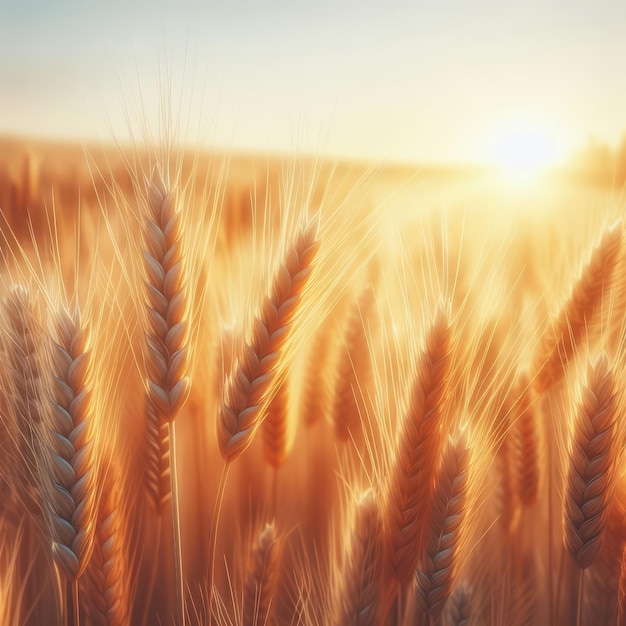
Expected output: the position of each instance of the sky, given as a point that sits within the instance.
(446, 81)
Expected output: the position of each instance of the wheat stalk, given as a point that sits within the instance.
(167, 347)
(358, 597)
(590, 473)
(409, 484)
(262, 578)
(109, 590)
(569, 326)
(166, 333)
(70, 486)
(436, 575)
(23, 343)
(157, 459)
(23, 346)
(255, 368)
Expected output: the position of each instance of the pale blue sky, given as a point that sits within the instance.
(405, 80)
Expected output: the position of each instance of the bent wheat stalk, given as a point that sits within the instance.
(568, 328)
(255, 368)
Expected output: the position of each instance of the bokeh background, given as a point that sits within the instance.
(449, 82)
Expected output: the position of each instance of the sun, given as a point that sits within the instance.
(522, 152)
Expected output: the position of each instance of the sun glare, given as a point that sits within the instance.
(523, 153)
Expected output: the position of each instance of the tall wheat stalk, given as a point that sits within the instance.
(68, 471)
(167, 351)
(418, 445)
(250, 385)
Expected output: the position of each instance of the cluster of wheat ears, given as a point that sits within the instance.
(441, 425)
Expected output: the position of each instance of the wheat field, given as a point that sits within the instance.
(249, 391)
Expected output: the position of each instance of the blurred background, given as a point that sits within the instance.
(519, 86)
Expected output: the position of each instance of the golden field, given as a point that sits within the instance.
(270, 390)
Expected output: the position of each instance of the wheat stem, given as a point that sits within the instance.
(213, 538)
(579, 604)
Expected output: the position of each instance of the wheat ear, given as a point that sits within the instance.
(157, 458)
(109, 590)
(255, 368)
(70, 493)
(353, 367)
(418, 446)
(23, 348)
(358, 598)
(275, 427)
(459, 607)
(526, 444)
(436, 575)
(262, 578)
(590, 474)
(166, 334)
(569, 326)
